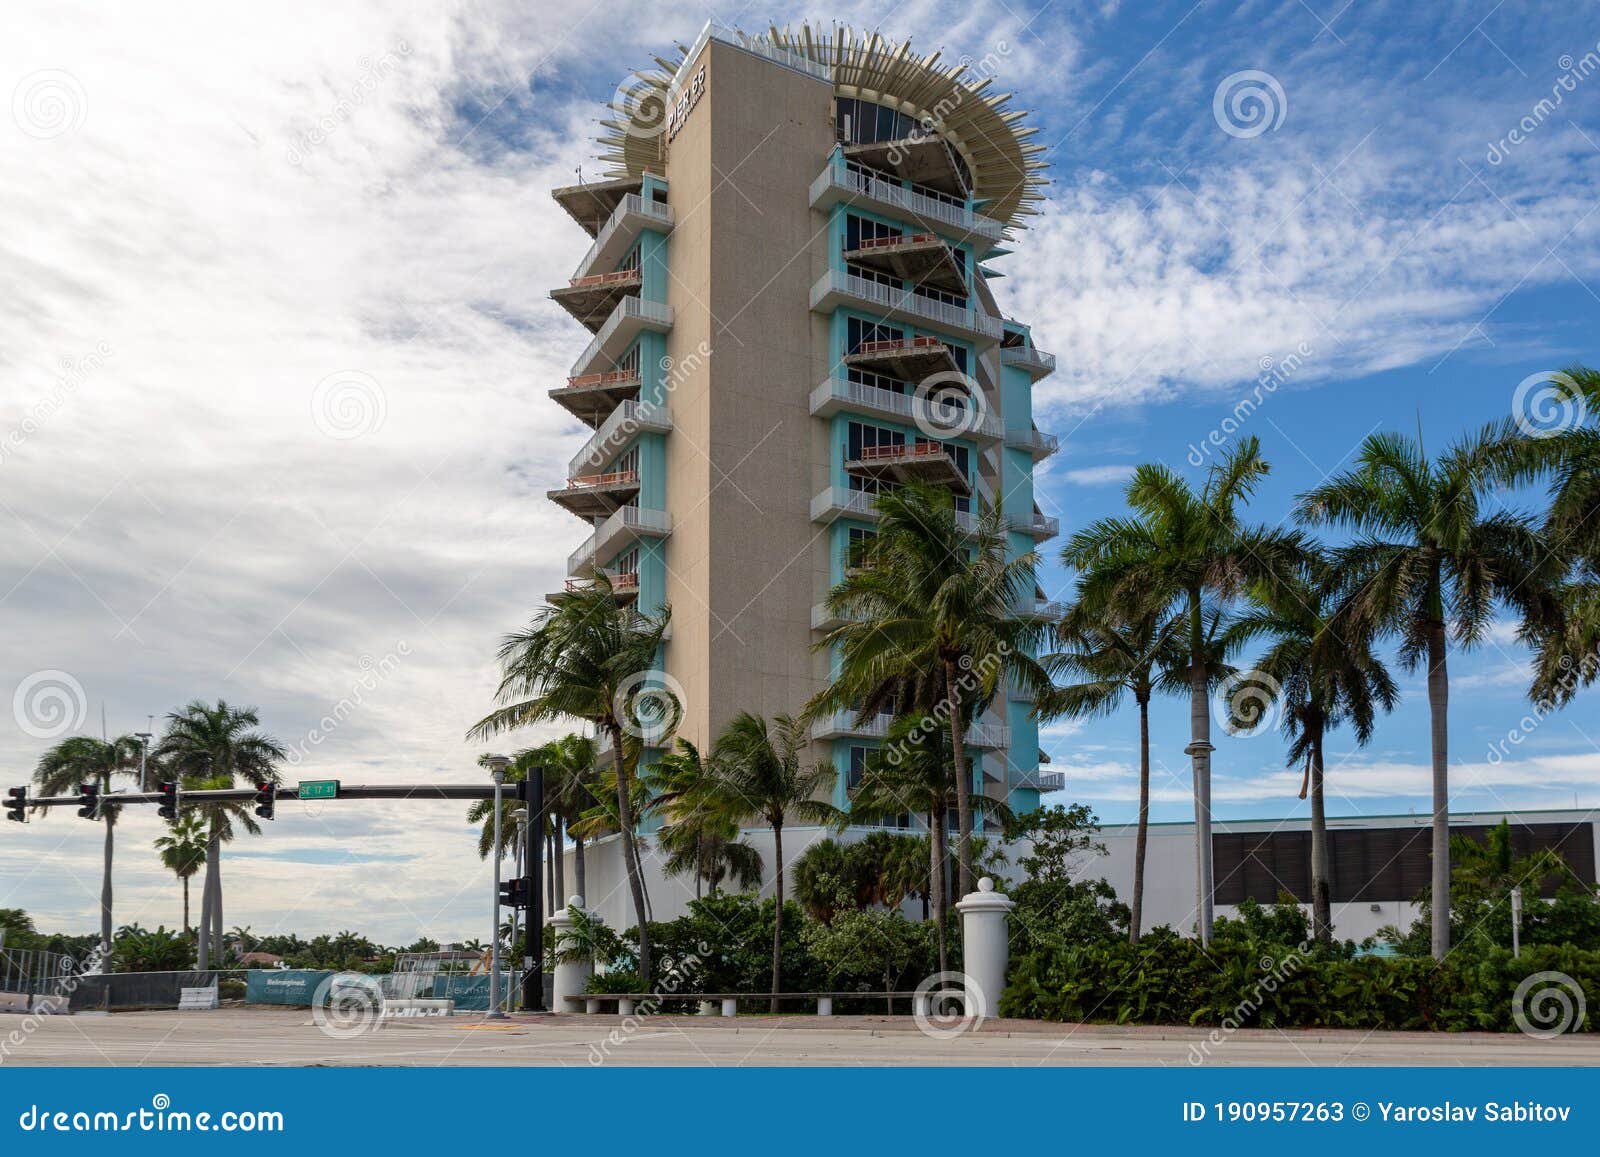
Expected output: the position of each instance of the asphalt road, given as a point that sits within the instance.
(289, 1037)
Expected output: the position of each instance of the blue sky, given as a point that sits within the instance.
(277, 339)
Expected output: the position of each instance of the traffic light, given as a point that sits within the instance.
(514, 893)
(169, 801)
(266, 800)
(17, 804)
(89, 797)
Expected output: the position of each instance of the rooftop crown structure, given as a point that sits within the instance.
(789, 299)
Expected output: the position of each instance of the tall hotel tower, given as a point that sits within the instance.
(789, 297)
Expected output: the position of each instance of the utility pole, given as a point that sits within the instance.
(1516, 921)
(498, 764)
(533, 837)
(144, 738)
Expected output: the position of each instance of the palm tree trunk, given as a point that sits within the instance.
(630, 854)
(1142, 839)
(218, 948)
(561, 868)
(963, 784)
(578, 865)
(1321, 903)
(938, 857)
(207, 892)
(777, 915)
(186, 905)
(105, 892)
(550, 868)
(1439, 710)
(1199, 752)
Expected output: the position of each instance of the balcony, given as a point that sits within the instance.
(838, 288)
(836, 394)
(594, 495)
(843, 725)
(625, 587)
(592, 397)
(1036, 442)
(837, 502)
(629, 524)
(593, 204)
(930, 462)
(631, 317)
(908, 359)
(1037, 363)
(920, 258)
(624, 424)
(593, 299)
(1045, 610)
(925, 160)
(620, 233)
(1040, 781)
(1039, 525)
(838, 182)
(987, 734)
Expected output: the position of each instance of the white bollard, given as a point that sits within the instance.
(571, 977)
(730, 1008)
(824, 1006)
(592, 1005)
(706, 1008)
(985, 947)
(624, 1006)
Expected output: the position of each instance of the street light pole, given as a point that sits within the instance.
(498, 765)
(144, 738)
(533, 836)
(520, 814)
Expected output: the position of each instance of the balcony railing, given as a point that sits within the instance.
(901, 239)
(596, 280)
(838, 176)
(630, 522)
(627, 420)
(903, 301)
(842, 723)
(836, 394)
(1036, 362)
(595, 481)
(1039, 525)
(627, 214)
(840, 502)
(632, 315)
(1040, 781)
(1036, 442)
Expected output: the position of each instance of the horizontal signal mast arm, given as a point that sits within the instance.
(417, 791)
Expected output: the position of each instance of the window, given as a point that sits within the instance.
(856, 545)
(630, 360)
(859, 229)
(631, 261)
(626, 563)
(857, 767)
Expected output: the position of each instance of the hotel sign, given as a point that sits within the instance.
(684, 105)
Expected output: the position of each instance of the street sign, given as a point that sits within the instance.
(319, 789)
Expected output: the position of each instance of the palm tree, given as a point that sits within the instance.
(82, 759)
(1327, 676)
(1111, 658)
(701, 833)
(1181, 550)
(183, 851)
(571, 780)
(766, 779)
(1431, 565)
(211, 747)
(914, 772)
(932, 620)
(586, 656)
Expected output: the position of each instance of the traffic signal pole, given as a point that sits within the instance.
(533, 834)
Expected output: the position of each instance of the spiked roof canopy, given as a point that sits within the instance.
(1007, 174)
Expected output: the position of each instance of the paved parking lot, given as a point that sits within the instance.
(289, 1037)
